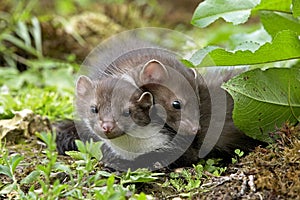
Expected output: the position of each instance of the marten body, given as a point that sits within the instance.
(151, 111)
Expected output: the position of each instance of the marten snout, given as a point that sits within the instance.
(109, 129)
(107, 126)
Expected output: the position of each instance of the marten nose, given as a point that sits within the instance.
(107, 126)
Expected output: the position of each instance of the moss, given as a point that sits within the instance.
(277, 168)
(266, 173)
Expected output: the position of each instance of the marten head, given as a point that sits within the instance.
(174, 92)
(117, 112)
(111, 107)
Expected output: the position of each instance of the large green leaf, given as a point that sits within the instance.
(296, 8)
(250, 41)
(285, 46)
(283, 21)
(265, 99)
(275, 5)
(235, 11)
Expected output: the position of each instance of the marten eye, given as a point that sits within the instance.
(126, 113)
(176, 104)
(94, 109)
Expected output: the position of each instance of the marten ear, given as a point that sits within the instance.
(84, 85)
(153, 72)
(194, 72)
(146, 99)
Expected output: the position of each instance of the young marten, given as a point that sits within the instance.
(151, 111)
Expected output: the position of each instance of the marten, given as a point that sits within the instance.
(150, 110)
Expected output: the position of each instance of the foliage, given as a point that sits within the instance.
(239, 154)
(188, 181)
(84, 182)
(87, 151)
(282, 26)
(286, 41)
(33, 68)
(43, 101)
(271, 96)
(18, 36)
(139, 176)
(8, 169)
(27, 76)
(53, 178)
(45, 87)
(228, 10)
(267, 105)
(234, 11)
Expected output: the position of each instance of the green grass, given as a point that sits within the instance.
(43, 101)
(83, 177)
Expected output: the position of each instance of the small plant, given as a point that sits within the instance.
(139, 176)
(210, 166)
(84, 179)
(85, 154)
(8, 169)
(3, 151)
(44, 102)
(190, 180)
(239, 154)
(45, 170)
(186, 180)
(111, 190)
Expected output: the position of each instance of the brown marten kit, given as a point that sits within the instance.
(150, 110)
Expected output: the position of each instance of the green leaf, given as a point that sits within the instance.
(15, 162)
(23, 33)
(76, 155)
(8, 188)
(235, 11)
(6, 171)
(142, 196)
(239, 152)
(104, 173)
(63, 168)
(264, 100)
(46, 137)
(19, 43)
(275, 22)
(199, 55)
(285, 46)
(250, 41)
(296, 8)
(94, 148)
(275, 5)
(33, 176)
(110, 181)
(37, 35)
(80, 145)
(139, 176)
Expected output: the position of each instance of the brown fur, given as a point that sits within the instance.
(185, 132)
